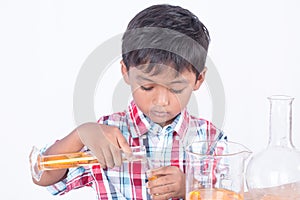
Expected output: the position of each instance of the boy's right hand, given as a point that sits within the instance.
(105, 142)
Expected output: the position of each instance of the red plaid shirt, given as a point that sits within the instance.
(165, 144)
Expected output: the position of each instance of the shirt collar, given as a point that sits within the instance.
(139, 124)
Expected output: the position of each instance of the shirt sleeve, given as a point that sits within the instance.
(76, 178)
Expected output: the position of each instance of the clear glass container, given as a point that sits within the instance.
(40, 163)
(215, 170)
(274, 173)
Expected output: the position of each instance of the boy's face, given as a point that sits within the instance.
(161, 97)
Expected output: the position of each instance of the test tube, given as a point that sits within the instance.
(39, 162)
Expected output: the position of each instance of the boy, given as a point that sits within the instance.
(163, 55)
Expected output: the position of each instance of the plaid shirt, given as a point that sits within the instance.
(164, 144)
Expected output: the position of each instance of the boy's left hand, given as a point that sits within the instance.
(170, 183)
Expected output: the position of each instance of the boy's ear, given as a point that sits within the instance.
(124, 72)
(200, 79)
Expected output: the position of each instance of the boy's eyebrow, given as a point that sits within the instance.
(139, 77)
(179, 81)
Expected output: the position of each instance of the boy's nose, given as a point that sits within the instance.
(161, 97)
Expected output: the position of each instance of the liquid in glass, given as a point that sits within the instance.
(214, 194)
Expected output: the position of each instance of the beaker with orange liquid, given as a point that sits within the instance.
(215, 170)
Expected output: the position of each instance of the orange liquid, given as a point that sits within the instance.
(152, 178)
(69, 160)
(64, 161)
(214, 194)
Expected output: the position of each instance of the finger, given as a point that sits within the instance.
(162, 171)
(117, 157)
(100, 157)
(123, 144)
(153, 175)
(160, 181)
(163, 189)
(164, 196)
(108, 157)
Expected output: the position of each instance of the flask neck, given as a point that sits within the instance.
(280, 125)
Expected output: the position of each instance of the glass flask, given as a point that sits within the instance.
(274, 173)
(215, 170)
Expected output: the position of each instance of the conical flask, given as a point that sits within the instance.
(274, 173)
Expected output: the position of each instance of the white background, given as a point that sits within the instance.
(43, 44)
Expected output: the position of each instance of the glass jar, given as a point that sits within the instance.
(215, 170)
(274, 173)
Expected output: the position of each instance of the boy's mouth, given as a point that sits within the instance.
(160, 114)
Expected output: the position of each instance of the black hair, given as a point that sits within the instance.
(165, 35)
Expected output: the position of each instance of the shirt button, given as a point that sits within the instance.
(168, 128)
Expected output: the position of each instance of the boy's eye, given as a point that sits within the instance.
(146, 88)
(171, 90)
(175, 91)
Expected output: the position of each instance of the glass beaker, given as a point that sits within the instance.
(215, 170)
(274, 172)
